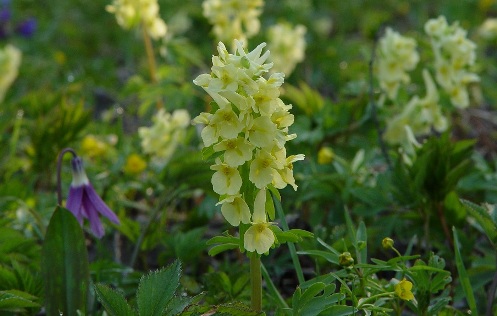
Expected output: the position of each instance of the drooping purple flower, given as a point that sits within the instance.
(84, 202)
(27, 27)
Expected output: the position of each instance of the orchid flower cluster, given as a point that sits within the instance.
(133, 13)
(454, 54)
(10, 60)
(233, 19)
(397, 54)
(248, 131)
(163, 137)
(287, 46)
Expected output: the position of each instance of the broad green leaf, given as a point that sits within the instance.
(221, 248)
(113, 301)
(64, 265)
(223, 240)
(463, 275)
(156, 290)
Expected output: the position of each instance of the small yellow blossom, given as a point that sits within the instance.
(93, 147)
(325, 155)
(226, 179)
(403, 289)
(259, 237)
(134, 164)
(235, 210)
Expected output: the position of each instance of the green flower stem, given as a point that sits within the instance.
(152, 218)
(272, 288)
(291, 246)
(256, 281)
(152, 66)
(374, 297)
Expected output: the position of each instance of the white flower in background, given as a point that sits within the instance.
(233, 19)
(488, 30)
(417, 118)
(248, 130)
(163, 137)
(287, 46)
(454, 55)
(133, 13)
(396, 55)
(10, 60)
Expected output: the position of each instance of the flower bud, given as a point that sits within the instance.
(325, 155)
(345, 259)
(387, 243)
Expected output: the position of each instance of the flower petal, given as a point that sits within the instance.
(74, 202)
(95, 224)
(99, 205)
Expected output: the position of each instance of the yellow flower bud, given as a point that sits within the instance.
(387, 243)
(325, 155)
(345, 259)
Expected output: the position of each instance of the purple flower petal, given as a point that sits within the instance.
(74, 202)
(95, 224)
(99, 204)
(27, 27)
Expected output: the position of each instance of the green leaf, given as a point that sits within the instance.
(113, 301)
(156, 290)
(484, 219)
(463, 275)
(14, 299)
(270, 206)
(328, 256)
(64, 265)
(221, 248)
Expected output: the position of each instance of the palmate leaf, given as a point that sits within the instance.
(157, 289)
(315, 299)
(113, 301)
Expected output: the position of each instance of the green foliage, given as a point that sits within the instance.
(113, 301)
(155, 295)
(463, 276)
(486, 219)
(14, 301)
(64, 265)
